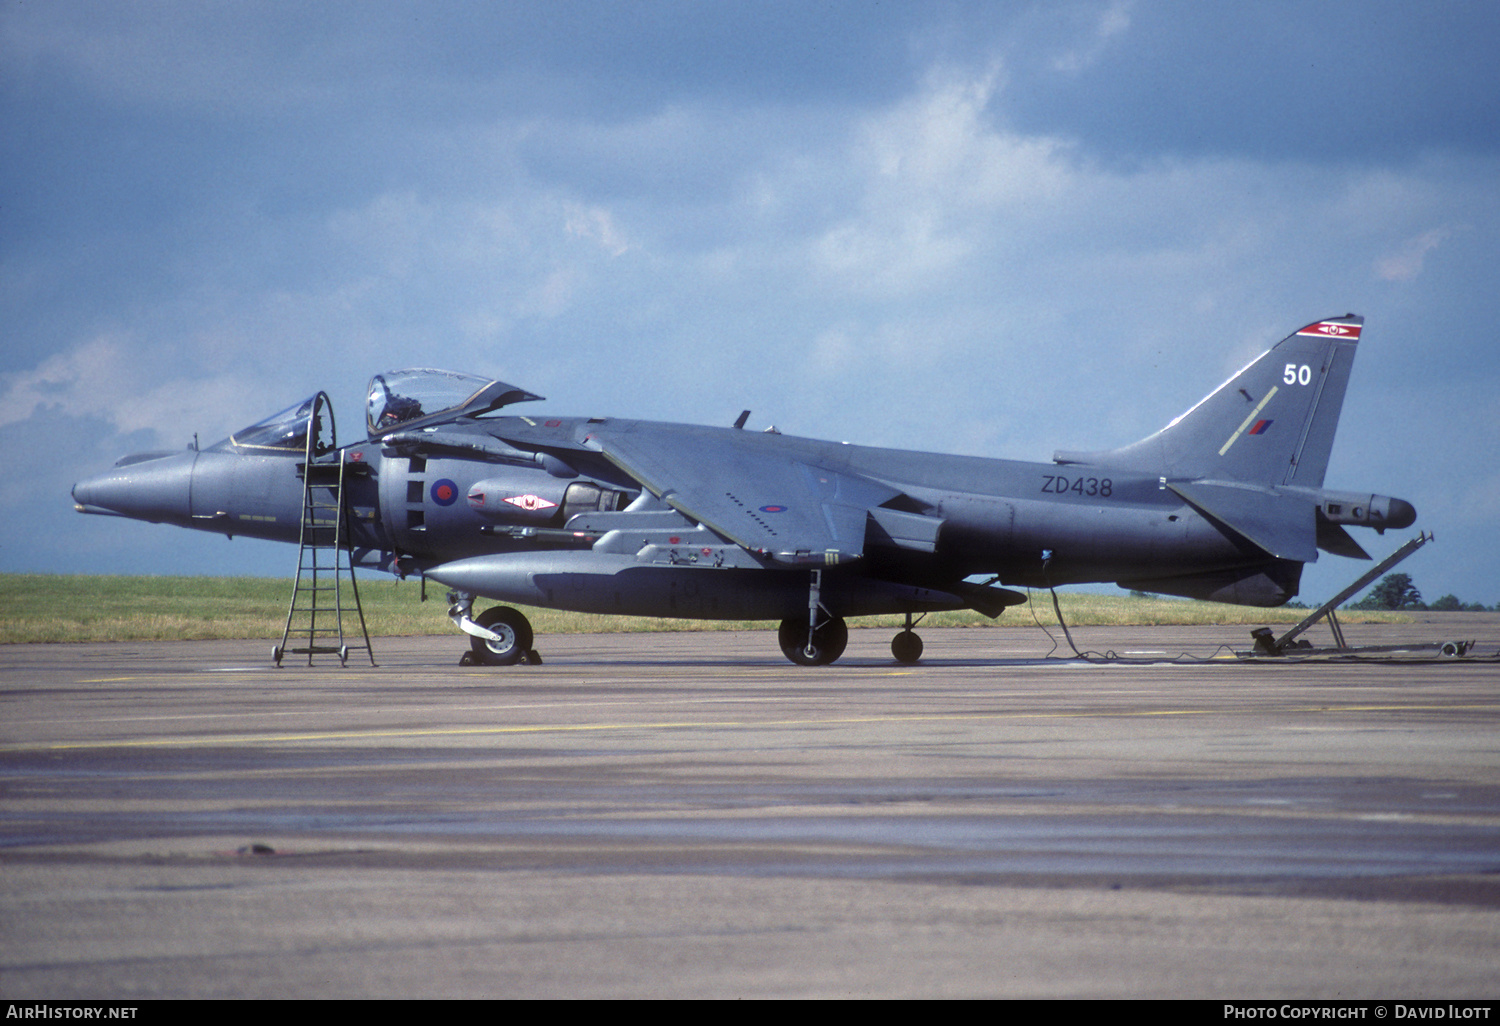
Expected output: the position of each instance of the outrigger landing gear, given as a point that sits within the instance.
(501, 636)
(817, 639)
(906, 647)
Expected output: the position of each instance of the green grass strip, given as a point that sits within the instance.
(63, 608)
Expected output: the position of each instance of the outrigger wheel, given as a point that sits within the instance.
(827, 643)
(906, 647)
(515, 638)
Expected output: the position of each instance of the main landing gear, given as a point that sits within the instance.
(818, 646)
(500, 636)
(826, 642)
(819, 638)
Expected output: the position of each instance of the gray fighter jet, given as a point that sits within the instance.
(601, 515)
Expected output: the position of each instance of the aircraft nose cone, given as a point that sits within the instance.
(155, 488)
(92, 494)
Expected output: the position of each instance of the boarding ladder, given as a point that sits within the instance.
(320, 596)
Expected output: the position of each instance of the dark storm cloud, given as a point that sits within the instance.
(1305, 82)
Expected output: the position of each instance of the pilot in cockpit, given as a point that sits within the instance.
(398, 410)
(388, 409)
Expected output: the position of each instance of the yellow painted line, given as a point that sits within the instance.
(366, 735)
(1246, 423)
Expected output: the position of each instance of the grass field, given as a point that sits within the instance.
(46, 608)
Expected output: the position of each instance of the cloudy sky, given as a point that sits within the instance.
(979, 227)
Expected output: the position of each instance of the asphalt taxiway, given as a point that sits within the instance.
(690, 815)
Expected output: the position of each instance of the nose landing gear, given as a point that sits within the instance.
(500, 636)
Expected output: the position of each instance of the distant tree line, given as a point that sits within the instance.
(1396, 591)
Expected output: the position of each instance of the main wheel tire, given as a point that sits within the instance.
(906, 647)
(515, 637)
(828, 641)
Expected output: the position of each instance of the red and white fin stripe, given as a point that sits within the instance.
(1334, 329)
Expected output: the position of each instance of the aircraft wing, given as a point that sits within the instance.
(749, 490)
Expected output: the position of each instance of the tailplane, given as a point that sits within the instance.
(1271, 424)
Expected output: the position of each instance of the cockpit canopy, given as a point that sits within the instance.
(397, 399)
(280, 434)
(408, 398)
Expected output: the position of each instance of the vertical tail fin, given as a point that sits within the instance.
(1272, 423)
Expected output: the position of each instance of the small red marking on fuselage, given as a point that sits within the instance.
(530, 502)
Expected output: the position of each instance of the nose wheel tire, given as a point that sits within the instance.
(828, 641)
(515, 637)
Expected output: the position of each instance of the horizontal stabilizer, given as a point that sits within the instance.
(1284, 525)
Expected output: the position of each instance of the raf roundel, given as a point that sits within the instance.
(444, 492)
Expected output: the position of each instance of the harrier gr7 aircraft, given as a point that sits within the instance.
(602, 515)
